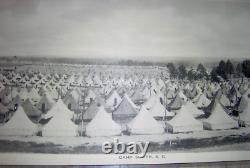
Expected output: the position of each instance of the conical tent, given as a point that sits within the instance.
(137, 95)
(90, 96)
(146, 93)
(89, 80)
(33, 94)
(17, 100)
(195, 91)
(203, 101)
(113, 100)
(53, 93)
(97, 80)
(158, 110)
(45, 103)
(161, 83)
(184, 122)
(12, 106)
(171, 94)
(176, 103)
(3, 109)
(5, 97)
(130, 101)
(219, 119)
(125, 111)
(71, 103)
(224, 100)
(245, 115)
(150, 102)
(144, 123)
(160, 95)
(59, 107)
(193, 109)
(100, 100)
(1, 86)
(19, 124)
(15, 92)
(76, 95)
(42, 91)
(244, 101)
(31, 110)
(183, 96)
(4, 113)
(91, 111)
(102, 125)
(60, 124)
(245, 88)
(24, 94)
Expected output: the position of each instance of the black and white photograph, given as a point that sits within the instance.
(95, 82)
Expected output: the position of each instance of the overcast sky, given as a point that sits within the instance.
(152, 29)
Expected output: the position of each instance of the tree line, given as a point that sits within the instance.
(226, 70)
(182, 73)
(223, 71)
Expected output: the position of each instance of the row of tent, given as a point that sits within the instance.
(199, 97)
(69, 79)
(160, 98)
(103, 123)
(140, 94)
(72, 97)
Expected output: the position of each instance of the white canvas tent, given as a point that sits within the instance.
(203, 101)
(225, 100)
(144, 123)
(24, 94)
(113, 100)
(4, 113)
(60, 124)
(219, 119)
(184, 122)
(90, 96)
(125, 111)
(183, 96)
(245, 115)
(244, 101)
(158, 110)
(19, 124)
(91, 111)
(33, 94)
(31, 110)
(146, 93)
(193, 109)
(5, 96)
(1, 86)
(130, 101)
(150, 101)
(14, 91)
(176, 103)
(102, 125)
(45, 103)
(59, 107)
(71, 103)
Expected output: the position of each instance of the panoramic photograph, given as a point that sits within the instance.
(127, 77)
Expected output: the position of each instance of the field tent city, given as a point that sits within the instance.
(75, 74)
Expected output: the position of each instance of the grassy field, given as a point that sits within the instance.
(232, 142)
